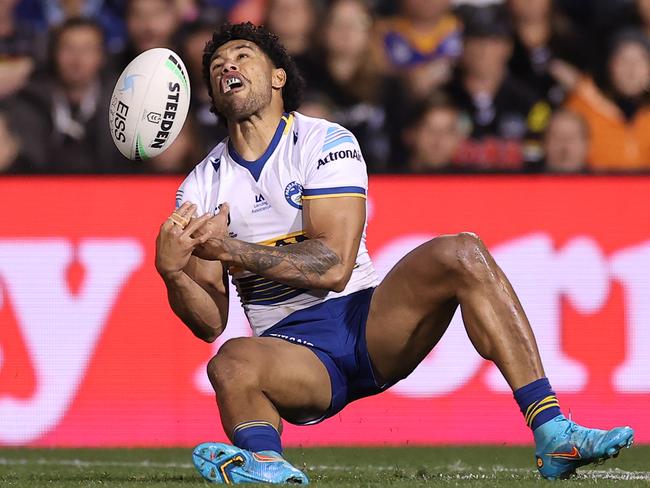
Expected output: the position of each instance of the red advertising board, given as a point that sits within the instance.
(91, 355)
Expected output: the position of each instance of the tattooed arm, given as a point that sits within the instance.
(324, 261)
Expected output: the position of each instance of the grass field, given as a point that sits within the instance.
(331, 467)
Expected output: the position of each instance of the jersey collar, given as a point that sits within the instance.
(255, 167)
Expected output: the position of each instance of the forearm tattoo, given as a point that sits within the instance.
(300, 265)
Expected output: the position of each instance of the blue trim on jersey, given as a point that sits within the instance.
(333, 191)
(216, 163)
(333, 132)
(249, 279)
(263, 291)
(277, 298)
(255, 167)
(336, 136)
(338, 141)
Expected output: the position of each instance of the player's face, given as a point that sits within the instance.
(242, 77)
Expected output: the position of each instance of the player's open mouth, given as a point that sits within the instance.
(231, 82)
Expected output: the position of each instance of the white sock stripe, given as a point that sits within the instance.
(253, 423)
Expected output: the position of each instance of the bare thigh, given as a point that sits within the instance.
(411, 310)
(290, 376)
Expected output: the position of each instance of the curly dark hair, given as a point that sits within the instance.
(269, 43)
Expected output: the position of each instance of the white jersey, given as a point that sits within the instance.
(308, 158)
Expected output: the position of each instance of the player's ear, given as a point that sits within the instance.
(278, 78)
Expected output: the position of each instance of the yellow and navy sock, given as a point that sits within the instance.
(256, 436)
(537, 402)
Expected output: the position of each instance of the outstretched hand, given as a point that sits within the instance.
(175, 243)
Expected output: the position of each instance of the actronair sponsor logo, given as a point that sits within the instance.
(336, 155)
(171, 108)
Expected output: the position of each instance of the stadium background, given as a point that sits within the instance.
(90, 354)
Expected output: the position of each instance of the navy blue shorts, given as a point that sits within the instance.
(335, 331)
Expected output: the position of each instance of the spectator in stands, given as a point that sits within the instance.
(505, 118)
(150, 23)
(48, 14)
(566, 143)
(11, 159)
(245, 10)
(618, 114)
(434, 136)
(294, 22)
(188, 10)
(542, 35)
(633, 14)
(421, 43)
(194, 36)
(643, 13)
(62, 118)
(20, 49)
(352, 79)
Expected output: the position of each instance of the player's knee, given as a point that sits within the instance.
(232, 366)
(472, 256)
(464, 254)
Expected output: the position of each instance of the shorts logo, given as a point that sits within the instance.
(293, 194)
(297, 340)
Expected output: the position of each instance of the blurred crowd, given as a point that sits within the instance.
(425, 85)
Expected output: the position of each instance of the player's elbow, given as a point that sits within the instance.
(210, 338)
(338, 279)
(207, 334)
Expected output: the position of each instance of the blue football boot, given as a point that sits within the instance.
(223, 463)
(562, 446)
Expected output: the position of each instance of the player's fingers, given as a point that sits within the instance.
(167, 226)
(224, 209)
(183, 208)
(183, 214)
(202, 239)
(196, 223)
(178, 220)
(186, 211)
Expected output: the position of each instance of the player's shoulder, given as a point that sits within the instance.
(320, 134)
(205, 172)
(211, 163)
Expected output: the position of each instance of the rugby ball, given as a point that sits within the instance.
(149, 104)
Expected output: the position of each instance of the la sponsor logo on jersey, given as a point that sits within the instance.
(293, 194)
(336, 155)
(261, 204)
